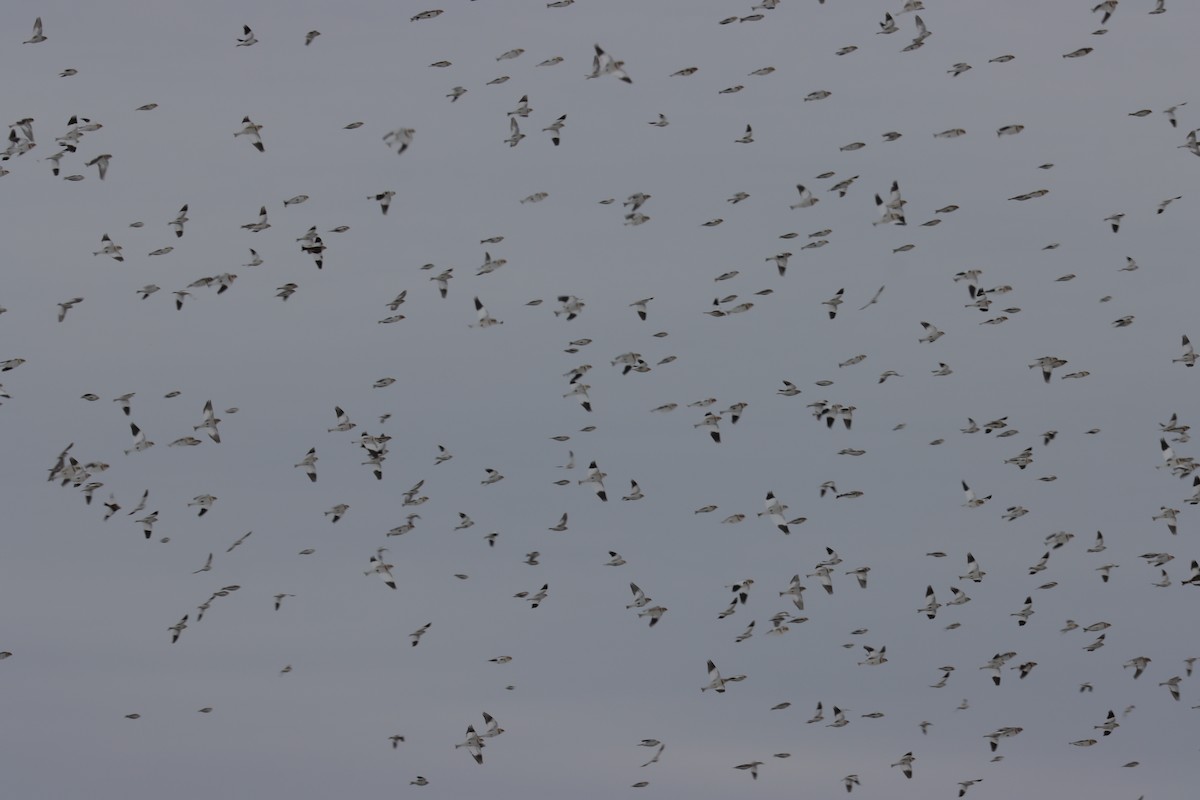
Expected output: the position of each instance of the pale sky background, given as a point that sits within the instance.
(86, 604)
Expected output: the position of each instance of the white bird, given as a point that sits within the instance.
(752, 766)
(833, 303)
(309, 463)
(555, 129)
(931, 606)
(258, 227)
(204, 502)
(252, 130)
(109, 248)
(796, 591)
(485, 320)
(932, 334)
(37, 33)
(874, 657)
(1188, 359)
(402, 138)
(639, 597)
(209, 423)
(1025, 613)
(807, 199)
(248, 38)
(891, 212)
(710, 423)
(140, 442)
(905, 763)
(1172, 685)
(972, 500)
(775, 511)
(605, 64)
(418, 633)
(716, 682)
(100, 162)
(596, 478)
(1108, 7)
(64, 307)
(178, 628)
(384, 199)
(382, 569)
(343, 421)
(474, 744)
(515, 136)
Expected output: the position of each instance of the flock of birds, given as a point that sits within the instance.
(908, 315)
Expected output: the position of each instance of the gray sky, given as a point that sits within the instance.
(87, 603)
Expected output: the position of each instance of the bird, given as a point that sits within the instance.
(555, 129)
(400, 139)
(66, 306)
(596, 478)
(1108, 7)
(1048, 364)
(140, 442)
(309, 463)
(248, 37)
(639, 597)
(931, 606)
(253, 131)
(100, 162)
(1188, 359)
(485, 320)
(710, 423)
(382, 569)
(109, 248)
(38, 36)
(343, 421)
(716, 682)
(972, 500)
(605, 64)
(474, 744)
(905, 763)
(416, 640)
(1025, 613)
(752, 767)
(209, 423)
(874, 657)
(833, 303)
(204, 502)
(654, 613)
(384, 199)
(807, 198)
(874, 299)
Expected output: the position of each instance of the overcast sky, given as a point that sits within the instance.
(87, 604)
